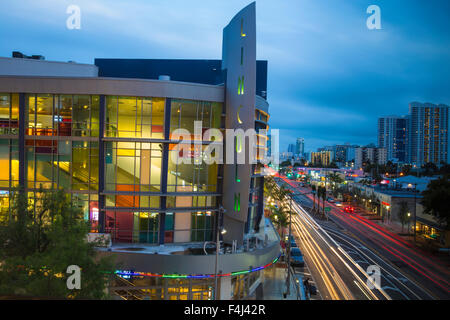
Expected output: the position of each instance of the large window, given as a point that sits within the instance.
(9, 163)
(132, 117)
(190, 177)
(72, 165)
(128, 199)
(62, 115)
(145, 227)
(203, 202)
(185, 112)
(9, 174)
(201, 226)
(88, 203)
(84, 165)
(138, 227)
(9, 113)
(133, 166)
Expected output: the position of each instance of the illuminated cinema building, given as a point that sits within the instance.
(103, 132)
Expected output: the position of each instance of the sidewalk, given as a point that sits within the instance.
(274, 284)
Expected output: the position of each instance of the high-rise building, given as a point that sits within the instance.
(291, 148)
(428, 133)
(106, 133)
(369, 154)
(393, 136)
(321, 158)
(351, 152)
(300, 147)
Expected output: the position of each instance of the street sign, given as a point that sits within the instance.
(327, 209)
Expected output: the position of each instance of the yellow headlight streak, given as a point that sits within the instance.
(322, 263)
(305, 217)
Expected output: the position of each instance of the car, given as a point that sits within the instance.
(331, 200)
(292, 241)
(338, 204)
(349, 209)
(297, 257)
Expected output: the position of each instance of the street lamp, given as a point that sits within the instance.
(219, 230)
(415, 218)
(409, 218)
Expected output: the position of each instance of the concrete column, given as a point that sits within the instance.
(225, 288)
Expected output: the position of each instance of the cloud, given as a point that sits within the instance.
(329, 76)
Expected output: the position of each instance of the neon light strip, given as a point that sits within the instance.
(198, 276)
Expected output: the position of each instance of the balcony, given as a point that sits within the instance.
(189, 259)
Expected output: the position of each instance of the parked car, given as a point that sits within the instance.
(292, 241)
(296, 257)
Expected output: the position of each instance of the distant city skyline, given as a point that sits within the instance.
(329, 77)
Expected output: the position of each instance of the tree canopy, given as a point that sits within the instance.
(40, 241)
(435, 199)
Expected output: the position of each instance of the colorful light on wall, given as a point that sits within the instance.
(237, 202)
(127, 274)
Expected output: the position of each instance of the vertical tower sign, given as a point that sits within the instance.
(239, 61)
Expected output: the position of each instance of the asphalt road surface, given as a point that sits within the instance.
(406, 272)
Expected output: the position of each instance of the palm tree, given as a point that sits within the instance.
(319, 196)
(403, 213)
(313, 187)
(281, 194)
(323, 194)
(269, 186)
(279, 218)
(307, 178)
(335, 179)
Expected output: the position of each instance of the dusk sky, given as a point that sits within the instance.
(329, 78)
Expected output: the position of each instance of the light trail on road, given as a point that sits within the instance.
(416, 266)
(387, 274)
(334, 247)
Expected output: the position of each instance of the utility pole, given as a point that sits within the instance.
(220, 212)
(415, 208)
(288, 279)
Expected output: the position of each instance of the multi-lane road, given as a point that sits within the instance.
(339, 252)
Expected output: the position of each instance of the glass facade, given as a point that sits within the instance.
(133, 166)
(164, 289)
(9, 113)
(62, 140)
(196, 176)
(185, 112)
(134, 117)
(9, 150)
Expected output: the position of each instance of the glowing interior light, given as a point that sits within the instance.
(238, 116)
(237, 202)
(242, 28)
(95, 214)
(236, 174)
(238, 144)
(241, 86)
